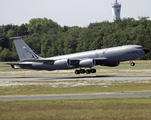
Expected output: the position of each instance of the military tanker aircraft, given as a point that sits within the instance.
(104, 57)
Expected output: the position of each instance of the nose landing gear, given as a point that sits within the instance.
(132, 63)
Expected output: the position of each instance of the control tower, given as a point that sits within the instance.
(116, 9)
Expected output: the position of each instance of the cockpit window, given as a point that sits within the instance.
(139, 47)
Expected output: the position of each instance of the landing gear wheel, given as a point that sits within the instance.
(77, 71)
(132, 64)
(88, 71)
(82, 71)
(93, 71)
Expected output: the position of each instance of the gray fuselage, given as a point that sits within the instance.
(112, 55)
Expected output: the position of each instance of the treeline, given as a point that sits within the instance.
(47, 38)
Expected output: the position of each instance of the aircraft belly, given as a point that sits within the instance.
(50, 67)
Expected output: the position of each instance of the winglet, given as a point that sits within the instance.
(18, 37)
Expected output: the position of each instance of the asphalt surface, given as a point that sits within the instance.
(73, 78)
(76, 96)
(81, 96)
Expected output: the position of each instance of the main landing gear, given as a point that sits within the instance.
(82, 71)
(132, 63)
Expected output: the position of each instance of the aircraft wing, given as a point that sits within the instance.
(73, 61)
(48, 62)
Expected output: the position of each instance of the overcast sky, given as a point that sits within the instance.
(69, 12)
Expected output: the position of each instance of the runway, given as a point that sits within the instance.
(73, 78)
(80, 96)
(74, 96)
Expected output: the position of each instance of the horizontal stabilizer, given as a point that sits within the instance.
(18, 65)
(50, 62)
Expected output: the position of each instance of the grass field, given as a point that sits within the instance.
(74, 87)
(87, 109)
(79, 86)
(94, 109)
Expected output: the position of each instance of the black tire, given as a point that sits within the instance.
(77, 71)
(88, 71)
(132, 64)
(93, 70)
(82, 71)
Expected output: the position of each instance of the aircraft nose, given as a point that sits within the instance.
(146, 50)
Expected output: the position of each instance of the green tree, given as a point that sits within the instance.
(40, 25)
(7, 55)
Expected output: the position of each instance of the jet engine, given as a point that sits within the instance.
(112, 64)
(64, 62)
(87, 63)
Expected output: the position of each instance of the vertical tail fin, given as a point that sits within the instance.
(23, 50)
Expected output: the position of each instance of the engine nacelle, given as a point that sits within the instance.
(112, 64)
(87, 63)
(64, 62)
